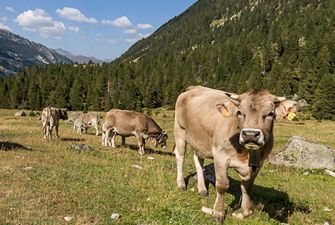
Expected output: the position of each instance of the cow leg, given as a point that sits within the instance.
(246, 188)
(221, 185)
(106, 137)
(141, 143)
(112, 140)
(96, 130)
(45, 131)
(123, 141)
(57, 135)
(199, 163)
(180, 147)
(50, 132)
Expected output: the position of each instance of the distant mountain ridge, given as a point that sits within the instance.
(81, 59)
(17, 52)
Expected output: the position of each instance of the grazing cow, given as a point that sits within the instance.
(127, 123)
(234, 130)
(79, 126)
(50, 119)
(86, 121)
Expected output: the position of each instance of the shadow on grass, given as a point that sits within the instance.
(149, 150)
(10, 146)
(273, 202)
(72, 139)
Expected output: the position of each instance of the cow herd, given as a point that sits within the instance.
(236, 131)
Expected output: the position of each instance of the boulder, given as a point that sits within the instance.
(20, 113)
(302, 153)
(302, 103)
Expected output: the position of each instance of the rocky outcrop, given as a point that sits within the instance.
(302, 153)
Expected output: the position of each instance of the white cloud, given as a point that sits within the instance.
(101, 38)
(4, 27)
(122, 22)
(111, 41)
(144, 26)
(130, 31)
(137, 37)
(74, 29)
(74, 14)
(39, 21)
(9, 8)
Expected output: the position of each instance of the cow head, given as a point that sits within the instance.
(254, 114)
(63, 113)
(161, 140)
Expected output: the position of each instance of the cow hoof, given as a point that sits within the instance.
(203, 193)
(218, 217)
(182, 188)
(247, 212)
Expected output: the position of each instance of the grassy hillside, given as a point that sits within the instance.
(52, 180)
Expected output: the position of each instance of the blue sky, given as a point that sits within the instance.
(101, 28)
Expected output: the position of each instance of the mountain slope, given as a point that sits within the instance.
(17, 52)
(81, 59)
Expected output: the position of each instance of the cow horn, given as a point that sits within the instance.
(235, 98)
(279, 99)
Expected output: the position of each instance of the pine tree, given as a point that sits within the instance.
(324, 106)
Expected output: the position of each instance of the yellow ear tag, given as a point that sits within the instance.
(224, 112)
(291, 116)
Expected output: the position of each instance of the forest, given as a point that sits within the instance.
(285, 46)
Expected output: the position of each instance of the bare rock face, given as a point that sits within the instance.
(301, 153)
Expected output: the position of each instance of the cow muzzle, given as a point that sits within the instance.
(251, 138)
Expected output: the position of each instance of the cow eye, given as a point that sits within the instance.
(271, 114)
(240, 114)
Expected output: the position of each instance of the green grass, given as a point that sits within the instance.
(51, 181)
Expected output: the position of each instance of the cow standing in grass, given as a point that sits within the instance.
(50, 119)
(127, 123)
(86, 121)
(236, 131)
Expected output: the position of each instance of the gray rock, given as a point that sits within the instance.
(302, 103)
(81, 147)
(20, 113)
(301, 153)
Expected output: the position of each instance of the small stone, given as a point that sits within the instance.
(238, 216)
(326, 209)
(306, 173)
(136, 166)
(326, 223)
(115, 216)
(68, 218)
(207, 210)
(150, 158)
(28, 168)
(192, 189)
(148, 199)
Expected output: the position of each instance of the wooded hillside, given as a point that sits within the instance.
(286, 46)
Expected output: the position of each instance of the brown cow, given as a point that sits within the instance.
(235, 130)
(127, 123)
(86, 121)
(50, 118)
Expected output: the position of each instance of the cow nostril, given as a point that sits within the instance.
(244, 134)
(257, 134)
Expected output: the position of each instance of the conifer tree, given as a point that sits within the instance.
(324, 106)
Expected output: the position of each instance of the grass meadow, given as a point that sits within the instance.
(41, 181)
